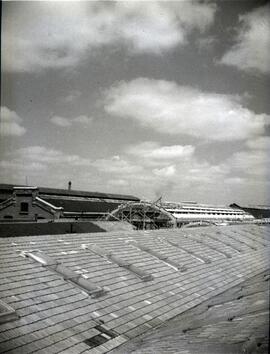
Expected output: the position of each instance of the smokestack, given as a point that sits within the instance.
(69, 185)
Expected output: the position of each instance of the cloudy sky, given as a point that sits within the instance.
(147, 98)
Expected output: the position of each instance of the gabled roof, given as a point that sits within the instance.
(251, 206)
(37, 201)
(57, 316)
(6, 203)
(46, 205)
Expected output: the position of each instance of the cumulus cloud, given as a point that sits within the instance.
(67, 122)
(118, 182)
(153, 150)
(170, 108)
(252, 43)
(147, 163)
(151, 170)
(150, 174)
(173, 178)
(251, 165)
(47, 34)
(42, 164)
(20, 166)
(43, 156)
(261, 143)
(206, 43)
(50, 156)
(165, 171)
(60, 121)
(117, 165)
(10, 123)
(251, 162)
(71, 97)
(82, 119)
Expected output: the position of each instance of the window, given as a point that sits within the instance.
(24, 208)
(8, 217)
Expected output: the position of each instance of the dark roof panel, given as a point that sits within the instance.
(65, 192)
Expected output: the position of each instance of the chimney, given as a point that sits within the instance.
(69, 185)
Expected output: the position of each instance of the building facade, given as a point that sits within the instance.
(25, 204)
(34, 203)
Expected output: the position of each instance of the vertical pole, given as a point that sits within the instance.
(143, 216)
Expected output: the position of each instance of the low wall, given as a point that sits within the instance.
(115, 225)
(10, 229)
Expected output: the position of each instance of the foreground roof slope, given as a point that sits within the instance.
(236, 321)
(184, 269)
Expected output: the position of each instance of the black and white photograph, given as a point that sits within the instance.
(135, 177)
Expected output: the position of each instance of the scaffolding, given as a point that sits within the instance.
(143, 215)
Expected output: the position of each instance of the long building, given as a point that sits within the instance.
(147, 215)
(32, 203)
(258, 211)
(185, 212)
(23, 203)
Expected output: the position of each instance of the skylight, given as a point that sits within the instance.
(7, 313)
(42, 259)
(221, 240)
(165, 259)
(68, 274)
(226, 254)
(193, 254)
(238, 235)
(110, 256)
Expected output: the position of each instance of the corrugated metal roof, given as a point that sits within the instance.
(58, 316)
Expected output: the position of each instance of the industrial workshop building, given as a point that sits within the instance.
(37, 203)
(24, 204)
(192, 211)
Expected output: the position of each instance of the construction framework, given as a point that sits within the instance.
(143, 215)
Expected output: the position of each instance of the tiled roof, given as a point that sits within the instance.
(231, 322)
(56, 316)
